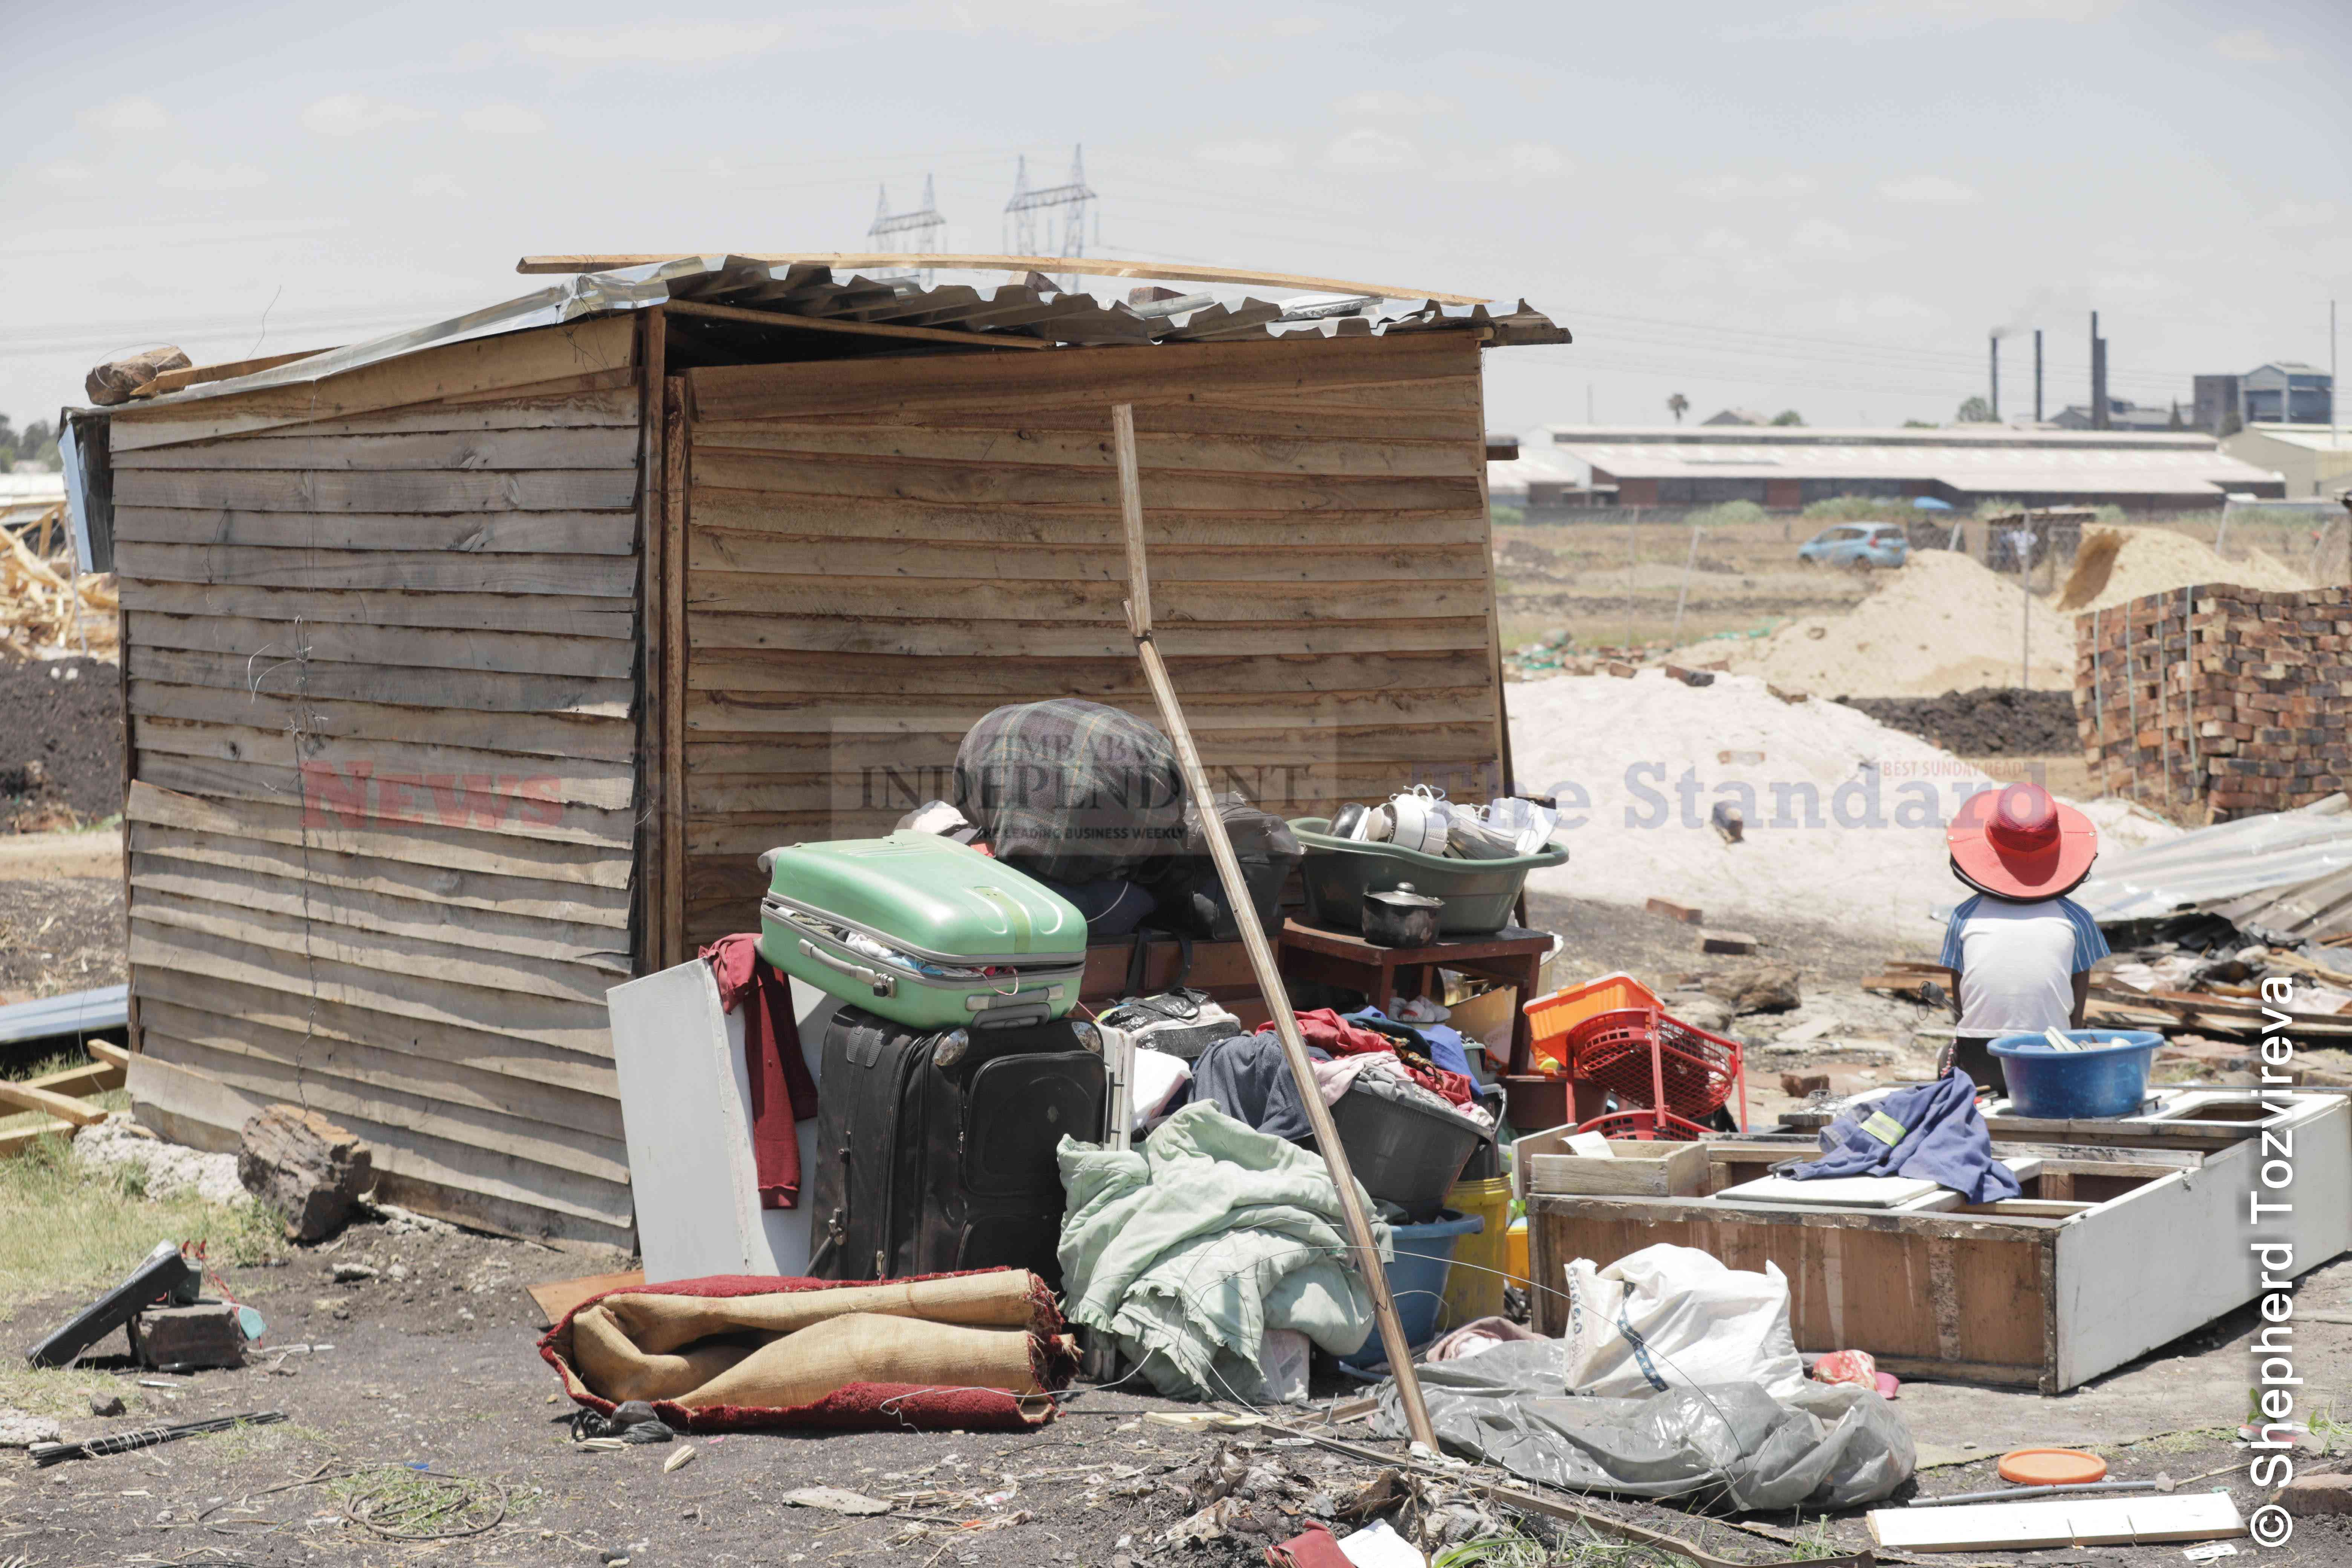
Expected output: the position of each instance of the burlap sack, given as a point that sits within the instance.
(1005, 1298)
(865, 1347)
(953, 1350)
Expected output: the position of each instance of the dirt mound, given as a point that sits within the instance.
(60, 743)
(1991, 721)
(1843, 815)
(2158, 560)
(1941, 623)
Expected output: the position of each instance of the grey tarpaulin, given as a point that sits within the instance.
(1731, 1446)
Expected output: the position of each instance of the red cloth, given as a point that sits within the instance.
(1317, 1548)
(783, 1093)
(856, 1406)
(1342, 1038)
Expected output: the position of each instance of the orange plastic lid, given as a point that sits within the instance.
(2052, 1468)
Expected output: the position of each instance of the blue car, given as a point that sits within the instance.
(1857, 544)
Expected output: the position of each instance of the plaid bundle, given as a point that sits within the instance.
(1071, 791)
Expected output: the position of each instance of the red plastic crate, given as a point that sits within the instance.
(1648, 1126)
(1629, 1052)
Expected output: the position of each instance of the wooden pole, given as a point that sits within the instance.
(1690, 563)
(1261, 952)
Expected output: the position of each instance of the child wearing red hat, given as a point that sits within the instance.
(2021, 951)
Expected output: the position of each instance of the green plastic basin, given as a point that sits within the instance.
(1338, 872)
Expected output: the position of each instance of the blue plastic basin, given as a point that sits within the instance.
(2058, 1086)
(1424, 1257)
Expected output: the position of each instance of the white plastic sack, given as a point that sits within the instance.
(1157, 1077)
(1674, 1317)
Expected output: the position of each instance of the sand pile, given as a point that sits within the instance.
(1940, 624)
(2158, 560)
(1853, 832)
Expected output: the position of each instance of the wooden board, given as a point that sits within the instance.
(381, 661)
(484, 691)
(366, 571)
(558, 735)
(419, 442)
(423, 842)
(511, 362)
(467, 533)
(436, 1176)
(2058, 1521)
(561, 614)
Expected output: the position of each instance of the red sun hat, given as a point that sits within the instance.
(2019, 842)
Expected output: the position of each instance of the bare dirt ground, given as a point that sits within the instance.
(60, 934)
(432, 1363)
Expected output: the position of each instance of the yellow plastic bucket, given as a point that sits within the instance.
(1473, 1287)
(1520, 1273)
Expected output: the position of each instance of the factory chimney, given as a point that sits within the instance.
(1995, 378)
(2037, 375)
(2099, 376)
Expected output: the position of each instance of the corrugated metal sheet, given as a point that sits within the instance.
(72, 1016)
(1032, 309)
(2247, 866)
(1986, 469)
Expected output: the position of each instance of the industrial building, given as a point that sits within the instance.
(2284, 392)
(2315, 460)
(1785, 467)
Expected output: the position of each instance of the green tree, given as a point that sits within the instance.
(1975, 411)
(1678, 405)
(1787, 416)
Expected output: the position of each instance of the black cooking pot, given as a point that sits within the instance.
(1402, 918)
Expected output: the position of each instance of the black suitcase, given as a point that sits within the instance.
(935, 1149)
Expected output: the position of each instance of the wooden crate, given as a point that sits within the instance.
(2113, 1250)
(1635, 1168)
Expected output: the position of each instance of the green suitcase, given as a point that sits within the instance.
(922, 930)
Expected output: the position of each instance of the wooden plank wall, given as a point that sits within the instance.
(877, 553)
(382, 653)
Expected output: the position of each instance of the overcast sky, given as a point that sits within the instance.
(1818, 206)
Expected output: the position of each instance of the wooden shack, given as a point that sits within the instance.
(468, 673)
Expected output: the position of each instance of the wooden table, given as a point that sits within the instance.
(1512, 955)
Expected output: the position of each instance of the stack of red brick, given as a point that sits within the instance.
(2218, 693)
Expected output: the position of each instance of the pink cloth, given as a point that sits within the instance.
(1337, 1035)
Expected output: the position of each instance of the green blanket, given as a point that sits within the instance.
(1189, 1249)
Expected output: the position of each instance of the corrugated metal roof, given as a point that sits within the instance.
(2224, 867)
(2312, 438)
(1031, 309)
(1978, 467)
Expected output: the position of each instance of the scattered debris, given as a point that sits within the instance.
(1763, 988)
(1675, 911)
(188, 1339)
(46, 1454)
(408, 1503)
(118, 381)
(163, 1275)
(306, 1167)
(679, 1461)
(1726, 941)
(837, 1500)
(2310, 1494)
(353, 1273)
(171, 1168)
